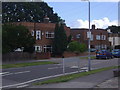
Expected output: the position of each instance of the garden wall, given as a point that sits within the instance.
(18, 56)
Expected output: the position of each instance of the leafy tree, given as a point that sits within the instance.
(114, 29)
(27, 11)
(73, 46)
(14, 37)
(60, 40)
(76, 47)
(82, 47)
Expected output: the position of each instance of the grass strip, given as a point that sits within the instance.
(26, 64)
(66, 78)
(91, 57)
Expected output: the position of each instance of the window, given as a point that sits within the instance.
(103, 37)
(32, 33)
(91, 37)
(98, 47)
(48, 48)
(38, 48)
(38, 35)
(104, 46)
(97, 37)
(49, 34)
(78, 36)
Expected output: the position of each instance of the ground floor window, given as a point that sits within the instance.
(38, 48)
(92, 46)
(99, 47)
(47, 48)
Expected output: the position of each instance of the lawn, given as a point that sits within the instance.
(26, 64)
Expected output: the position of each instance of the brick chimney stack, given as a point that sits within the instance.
(93, 27)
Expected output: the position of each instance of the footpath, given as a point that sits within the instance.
(103, 79)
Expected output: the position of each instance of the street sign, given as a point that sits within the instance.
(88, 34)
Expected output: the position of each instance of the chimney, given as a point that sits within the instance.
(46, 19)
(93, 27)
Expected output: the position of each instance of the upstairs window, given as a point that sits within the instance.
(38, 35)
(78, 36)
(103, 37)
(97, 37)
(32, 33)
(49, 34)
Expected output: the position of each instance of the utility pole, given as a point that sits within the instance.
(63, 65)
(89, 36)
(89, 60)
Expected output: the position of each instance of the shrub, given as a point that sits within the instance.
(76, 47)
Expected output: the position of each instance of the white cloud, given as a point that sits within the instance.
(99, 23)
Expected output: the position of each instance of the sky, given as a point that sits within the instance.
(75, 14)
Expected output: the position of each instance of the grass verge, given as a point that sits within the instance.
(92, 57)
(66, 78)
(26, 64)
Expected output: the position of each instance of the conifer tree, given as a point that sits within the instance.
(60, 40)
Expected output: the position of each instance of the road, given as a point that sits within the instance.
(24, 76)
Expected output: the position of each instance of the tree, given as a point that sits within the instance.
(114, 29)
(27, 11)
(82, 47)
(76, 47)
(14, 37)
(60, 40)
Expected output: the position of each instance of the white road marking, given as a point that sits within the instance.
(15, 73)
(3, 73)
(22, 86)
(37, 80)
(21, 72)
(7, 74)
(84, 68)
(54, 68)
(74, 67)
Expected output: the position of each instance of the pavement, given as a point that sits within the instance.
(103, 79)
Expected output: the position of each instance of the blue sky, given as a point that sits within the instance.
(75, 14)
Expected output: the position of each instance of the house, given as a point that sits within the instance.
(114, 38)
(44, 34)
(98, 40)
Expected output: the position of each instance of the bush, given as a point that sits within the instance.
(76, 47)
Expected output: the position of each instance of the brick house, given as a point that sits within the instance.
(99, 37)
(44, 34)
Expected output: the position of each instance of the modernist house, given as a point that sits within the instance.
(98, 40)
(44, 34)
(114, 38)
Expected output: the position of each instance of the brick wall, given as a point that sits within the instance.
(46, 55)
(17, 56)
(73, 54)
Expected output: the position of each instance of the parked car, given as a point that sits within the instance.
(92, 50)
(116, 53)
(103, 54)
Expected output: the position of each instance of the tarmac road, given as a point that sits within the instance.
(24, 76)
